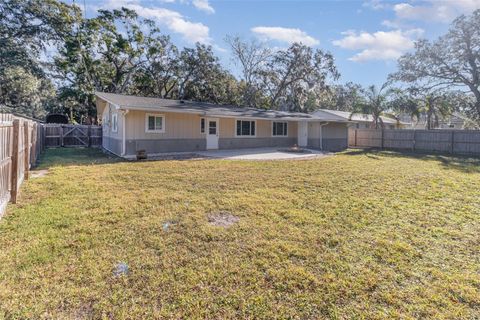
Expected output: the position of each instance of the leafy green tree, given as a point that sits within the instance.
(27, 29)
(25, 93)
(433, 105)
(28, 26)
(341, 97)
(102, 54)
(291, 76)
(158, 76)
(202, 77)
(375, 102)
(450, 61)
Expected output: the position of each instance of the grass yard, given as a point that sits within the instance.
(358, 235)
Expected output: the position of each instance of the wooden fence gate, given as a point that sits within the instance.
(72, 135)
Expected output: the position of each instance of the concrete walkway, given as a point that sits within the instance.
(260, 154)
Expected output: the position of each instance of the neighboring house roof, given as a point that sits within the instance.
(356, 117)
(209, 109)
(455, 120)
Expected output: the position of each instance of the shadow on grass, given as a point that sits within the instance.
(75, 157)
(464, 163)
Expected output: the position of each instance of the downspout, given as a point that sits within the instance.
(124, 129)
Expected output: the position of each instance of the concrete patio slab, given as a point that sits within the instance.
(261, 154)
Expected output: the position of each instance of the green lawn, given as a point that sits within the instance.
(356, 235)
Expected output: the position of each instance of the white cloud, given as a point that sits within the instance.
(391, 24)
(203, 5)
(380, 45)
(375, 4)
(287, 35)
(173, 20)
(435, 10)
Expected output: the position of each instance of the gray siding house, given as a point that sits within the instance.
(132, 123)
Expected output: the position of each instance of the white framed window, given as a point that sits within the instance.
(202, 125)
(114, 122)
(245, 128)
(155, 123)
(279, 129)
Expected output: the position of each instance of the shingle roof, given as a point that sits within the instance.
(208, 109)
(356, 117)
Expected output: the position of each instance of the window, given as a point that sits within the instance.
(202, 125)
(155, 123)
(114, 122)
(245, 128)
(279, 129)
(212, 127)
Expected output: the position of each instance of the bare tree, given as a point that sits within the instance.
(251, 56)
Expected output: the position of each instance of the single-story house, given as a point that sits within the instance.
(133, 123)
(360, 120)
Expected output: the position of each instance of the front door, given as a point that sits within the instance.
(302, 133)
(212, 133)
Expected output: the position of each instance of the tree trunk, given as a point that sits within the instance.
(429, 114)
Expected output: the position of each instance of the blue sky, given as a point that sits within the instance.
(366, 37)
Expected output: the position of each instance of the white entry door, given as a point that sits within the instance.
(302, 134)
(212, 133)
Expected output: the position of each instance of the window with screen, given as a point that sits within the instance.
(245, 128)
(280, 129)
(155, 123)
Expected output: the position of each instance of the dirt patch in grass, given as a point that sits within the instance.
(38, 173)
(222, 219)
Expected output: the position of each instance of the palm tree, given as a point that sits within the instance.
(435, 107)
(433, 104)
(374, 102)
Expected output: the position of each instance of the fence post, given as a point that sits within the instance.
(89, 134)
(414, 140)
(42, 137)
(452, 141)
(34, 144)
(61, 136)
(26, 148)
(15, 158)
(383, 142)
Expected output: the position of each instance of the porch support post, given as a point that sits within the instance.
(124, 129)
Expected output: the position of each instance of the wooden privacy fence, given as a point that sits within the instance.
(72, 135)
(21, 142)
(451, 141)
